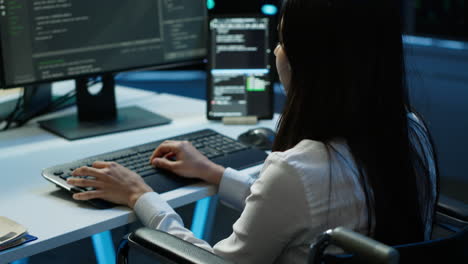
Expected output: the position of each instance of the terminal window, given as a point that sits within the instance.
(58, 39)
(240, 67)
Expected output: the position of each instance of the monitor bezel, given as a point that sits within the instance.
(161, 66)
(208, 64)
(152, 66)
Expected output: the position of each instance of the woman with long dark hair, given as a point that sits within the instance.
(350, 151)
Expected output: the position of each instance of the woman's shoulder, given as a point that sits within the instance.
(292, 170)
(304, 158)
(305, 149)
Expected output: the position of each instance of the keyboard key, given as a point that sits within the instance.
(121, 160)
(65, 176)
(147, 173)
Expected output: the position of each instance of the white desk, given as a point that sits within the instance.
(52, 215)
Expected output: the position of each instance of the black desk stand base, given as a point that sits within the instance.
(128, 118)
(97, 114)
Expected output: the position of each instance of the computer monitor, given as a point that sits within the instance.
(46, 41)
(239, 72)
(442, 19)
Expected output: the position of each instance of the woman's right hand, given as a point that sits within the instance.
(182, 158)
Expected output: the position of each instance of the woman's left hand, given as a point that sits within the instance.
(112, 182)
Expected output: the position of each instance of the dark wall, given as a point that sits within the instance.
(437, 18)
(438, 85)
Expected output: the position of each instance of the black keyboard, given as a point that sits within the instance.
(217, 147)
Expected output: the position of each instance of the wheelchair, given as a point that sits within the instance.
(451, 220)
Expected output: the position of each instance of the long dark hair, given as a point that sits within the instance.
(348, 81)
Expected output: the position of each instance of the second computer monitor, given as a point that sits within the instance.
(239, 67)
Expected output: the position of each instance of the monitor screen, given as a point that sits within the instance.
(63, 39)
(445, 19)
(239, 67)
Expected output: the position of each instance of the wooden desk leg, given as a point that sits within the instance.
(104, 248)
(203, 217)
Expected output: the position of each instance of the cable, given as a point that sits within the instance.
(19, 116)
(53, 106)
(56, 104)
(9, 119)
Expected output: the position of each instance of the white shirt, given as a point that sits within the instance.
(300, 193)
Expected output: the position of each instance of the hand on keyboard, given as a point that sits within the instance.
(110, 181)
(115, 183)
(198, 159)
(182, 158)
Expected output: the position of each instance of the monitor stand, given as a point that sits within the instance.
(98, 114)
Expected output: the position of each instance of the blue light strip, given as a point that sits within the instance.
(21, 261)
(200, 215)
(433, 42)
(240, 71)
(104, 248)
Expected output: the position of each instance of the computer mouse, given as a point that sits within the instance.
(260, 137)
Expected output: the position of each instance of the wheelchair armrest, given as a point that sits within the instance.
(364, 249)
(453, 208)
(165, 246)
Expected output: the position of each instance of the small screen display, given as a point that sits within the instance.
(239, 68)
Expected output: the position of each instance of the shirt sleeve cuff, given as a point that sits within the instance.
(149, 206)
(234, 188)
